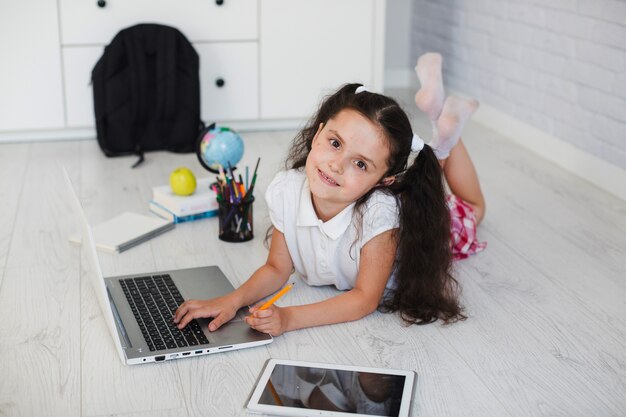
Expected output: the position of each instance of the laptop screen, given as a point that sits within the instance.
(97, 279)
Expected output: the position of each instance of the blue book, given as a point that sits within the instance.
(163, 212)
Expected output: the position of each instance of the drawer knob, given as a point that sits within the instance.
(219, 2)
(220, 82)
(102, 3)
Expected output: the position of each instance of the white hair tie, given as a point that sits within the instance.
(360, 89)
(417, 143)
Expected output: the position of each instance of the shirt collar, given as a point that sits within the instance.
(307, 217)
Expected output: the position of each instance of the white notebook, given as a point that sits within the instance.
(125, 231)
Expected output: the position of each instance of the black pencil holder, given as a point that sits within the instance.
(236, 221)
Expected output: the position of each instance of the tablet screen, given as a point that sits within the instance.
(346, 391)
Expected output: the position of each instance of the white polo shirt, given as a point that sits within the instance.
(325, 253)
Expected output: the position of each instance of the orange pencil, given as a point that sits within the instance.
(276, 297)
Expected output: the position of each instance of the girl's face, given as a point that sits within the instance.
(348, 157)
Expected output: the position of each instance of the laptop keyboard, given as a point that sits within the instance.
(154, 300)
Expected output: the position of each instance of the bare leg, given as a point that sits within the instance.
(462, 179)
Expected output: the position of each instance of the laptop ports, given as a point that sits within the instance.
(186, 353)
(197, 352)
(159, 358)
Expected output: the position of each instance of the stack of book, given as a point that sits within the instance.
(179, 209)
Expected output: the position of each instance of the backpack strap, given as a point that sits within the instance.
(134, 54)
(139, 153)
(166, 73)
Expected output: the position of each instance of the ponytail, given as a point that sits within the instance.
(424, 291)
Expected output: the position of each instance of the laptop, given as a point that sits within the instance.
(138, 308)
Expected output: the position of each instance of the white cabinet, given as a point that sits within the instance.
(86, 23)
(264, 64)
(77, 66)
(30, 66)
(309, 48)
(229, 81)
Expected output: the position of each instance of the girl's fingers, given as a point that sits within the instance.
(185, 320)
(255, 322)
(256, 315)
(180, 312)
(263, 313)
(192, 314)
(264, 329)
(217, 322)
(183, 309)
(269, 328)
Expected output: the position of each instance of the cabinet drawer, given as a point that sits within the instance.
(307, 52)
(236, 64)
(84, 22)
(31, 96)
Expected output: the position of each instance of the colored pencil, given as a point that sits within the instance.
(277, 296)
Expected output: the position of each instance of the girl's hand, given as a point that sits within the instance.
(222, 309)
(272, 320)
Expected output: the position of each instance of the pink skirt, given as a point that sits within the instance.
(463, 229)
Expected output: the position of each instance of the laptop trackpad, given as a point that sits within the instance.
(233, 332)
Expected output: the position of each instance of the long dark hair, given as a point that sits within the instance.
(425, 290)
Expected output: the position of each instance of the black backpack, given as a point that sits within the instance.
(146, 90)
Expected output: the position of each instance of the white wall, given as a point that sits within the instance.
(398, 65)
(557, 65)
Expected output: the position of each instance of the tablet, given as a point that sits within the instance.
(296, 388)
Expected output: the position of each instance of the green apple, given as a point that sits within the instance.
(182, 181)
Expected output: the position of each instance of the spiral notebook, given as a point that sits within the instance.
(125, 231)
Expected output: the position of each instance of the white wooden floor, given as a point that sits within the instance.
(546, 334)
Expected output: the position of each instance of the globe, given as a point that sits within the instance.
(219, 146)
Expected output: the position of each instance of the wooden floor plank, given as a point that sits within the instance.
(578, 269)
(39, 342)
(174, 412)
(446, 384)
(117, 388)
(40, 378)
(220, 384)
(12, 168)
(536, 332)
(42, 219)
(592, 220)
